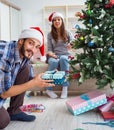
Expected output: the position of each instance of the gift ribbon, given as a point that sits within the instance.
(110, 98)
(108, 123)
(85, 97)
(108, 105)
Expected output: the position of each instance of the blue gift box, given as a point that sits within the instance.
(57, 76)
(86, 102)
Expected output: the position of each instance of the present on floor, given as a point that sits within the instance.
(106, 107)
(32, 108)
(109, 115)
(86, 102)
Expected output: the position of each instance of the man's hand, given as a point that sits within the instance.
(42, 83)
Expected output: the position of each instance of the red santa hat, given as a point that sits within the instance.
(36, 33)
(53, 15)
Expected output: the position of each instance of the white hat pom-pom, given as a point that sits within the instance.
(43, 58)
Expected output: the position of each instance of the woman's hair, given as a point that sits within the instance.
(63, 32)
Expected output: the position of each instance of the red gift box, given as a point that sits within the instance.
(108, 115)
(108, 105)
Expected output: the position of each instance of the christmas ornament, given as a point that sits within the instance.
(90, 21)
(81, 38)
(111, 49)
(108, 6)
(91, 44)
(77, 26)
(82, 16)
(112, 2)
(75, 76)
(77, 36)
(89, 12)
(71, 57)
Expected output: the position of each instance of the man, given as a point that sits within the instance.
(16, 74)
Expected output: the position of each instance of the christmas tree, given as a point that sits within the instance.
(96, 39)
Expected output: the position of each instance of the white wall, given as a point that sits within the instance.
(4, 22)
(32, 10)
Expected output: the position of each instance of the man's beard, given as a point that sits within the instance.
(22, 51)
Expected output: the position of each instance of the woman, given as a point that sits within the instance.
(58, 41)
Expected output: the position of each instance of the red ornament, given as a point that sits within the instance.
(112, 2)
(77, 36)
(75, 76)
(82, 16)
(71, 57)
(109, 5)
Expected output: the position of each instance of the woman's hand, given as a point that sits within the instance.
(51, 54)
(54, 56)
(69, 47)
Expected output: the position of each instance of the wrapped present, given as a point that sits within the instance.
(32, 108)
(86, 102)
(57, 76)
(106, 107)
(109, 115)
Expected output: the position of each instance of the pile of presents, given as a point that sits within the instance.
(92, 100)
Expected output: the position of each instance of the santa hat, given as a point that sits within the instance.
(53, 15)
(36, 33)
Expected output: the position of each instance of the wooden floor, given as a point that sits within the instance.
(57, 117)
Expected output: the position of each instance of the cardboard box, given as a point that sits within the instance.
(86, 102)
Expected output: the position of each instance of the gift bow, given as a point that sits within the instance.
(85, 97)
(110, 98)
(106, 107)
